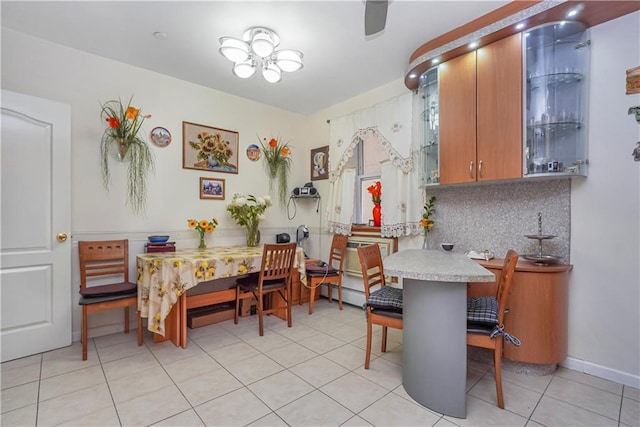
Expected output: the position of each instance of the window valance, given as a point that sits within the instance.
(388, 124)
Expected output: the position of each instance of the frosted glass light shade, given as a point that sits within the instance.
(245, 69)
(262, 45)
(233, 49)
(271, 72)
(289, 60)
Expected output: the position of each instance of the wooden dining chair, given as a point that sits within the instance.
(274, 276)
(384, 305)
(485, 319)
(329, 274)
(100, 262)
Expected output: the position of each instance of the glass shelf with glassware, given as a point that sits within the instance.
(429, 149)
(556, 57)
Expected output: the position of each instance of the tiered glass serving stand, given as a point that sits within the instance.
(541, 258)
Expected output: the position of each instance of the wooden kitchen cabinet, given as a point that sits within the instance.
(457, 79)
(481, 114)
(499, 106)
(538, 310)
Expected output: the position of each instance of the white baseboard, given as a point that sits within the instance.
(352, 297)
(601, 372)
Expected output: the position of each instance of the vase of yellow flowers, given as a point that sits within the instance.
(121, 141)
(277, 162)
(248, 212)
(203, 226)
(426, 222)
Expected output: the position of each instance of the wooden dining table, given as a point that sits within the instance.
(165, 277)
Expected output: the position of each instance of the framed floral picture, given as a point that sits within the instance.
(208, 148)
(211, 188)
(320, 163)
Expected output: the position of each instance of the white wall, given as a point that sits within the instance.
(40, 68)
(604, 291)
(44, 69)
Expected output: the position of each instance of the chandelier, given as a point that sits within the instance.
(258, 45)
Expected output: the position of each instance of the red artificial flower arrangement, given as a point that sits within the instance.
(376, 192)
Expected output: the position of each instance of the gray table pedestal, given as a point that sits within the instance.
(434, 350)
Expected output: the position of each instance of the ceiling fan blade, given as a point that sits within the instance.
(375, 16)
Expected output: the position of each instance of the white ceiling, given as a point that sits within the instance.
(339, 61)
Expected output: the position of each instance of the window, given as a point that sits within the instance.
(366, 161)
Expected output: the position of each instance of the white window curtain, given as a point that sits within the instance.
(390, 124)
(401, 200)
(341, 202)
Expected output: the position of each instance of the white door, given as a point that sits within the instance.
(35, 246)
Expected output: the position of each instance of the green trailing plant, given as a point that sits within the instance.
(121, 138)
(277, 162)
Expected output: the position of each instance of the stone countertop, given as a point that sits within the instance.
(435, 265)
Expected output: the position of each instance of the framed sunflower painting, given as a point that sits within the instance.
(208, 148)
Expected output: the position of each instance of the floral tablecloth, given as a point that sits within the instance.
(164, 276)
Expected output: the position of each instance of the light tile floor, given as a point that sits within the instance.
(308, 375)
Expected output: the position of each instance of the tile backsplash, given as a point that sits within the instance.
(498, 216)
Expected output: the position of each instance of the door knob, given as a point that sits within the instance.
(61, 237)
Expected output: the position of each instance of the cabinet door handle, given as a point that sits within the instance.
(471, 168)
(480, 169)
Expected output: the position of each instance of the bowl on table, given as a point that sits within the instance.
(447, 246)
(158, 239)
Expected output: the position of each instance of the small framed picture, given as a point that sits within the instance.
(208, 148)
(211, 188)
(633, 80)
(320, 163)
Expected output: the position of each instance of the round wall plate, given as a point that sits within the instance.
(253, 152)
(160, 136)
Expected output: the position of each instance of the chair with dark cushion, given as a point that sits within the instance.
(329, 274)
(384, 305)
(100, 262)
(485, 319)
(274, 276)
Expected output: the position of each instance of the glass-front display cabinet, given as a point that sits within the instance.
(429, 150)
(556, 63)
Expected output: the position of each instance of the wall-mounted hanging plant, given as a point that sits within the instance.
(277, 163)
(122, 142)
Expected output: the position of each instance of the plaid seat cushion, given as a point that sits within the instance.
(386, 298)
(483, 310)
